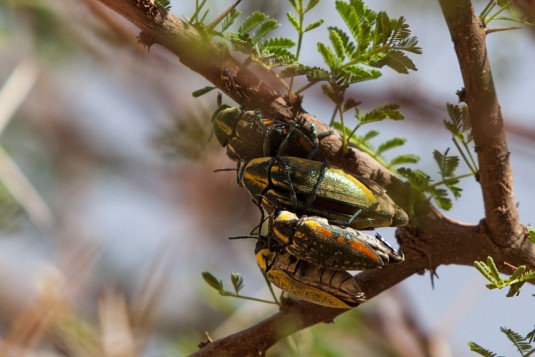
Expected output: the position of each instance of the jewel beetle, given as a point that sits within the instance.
(248, 135)
(318, 242)
(319, 285)
(315, 188)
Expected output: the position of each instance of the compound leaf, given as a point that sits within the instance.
(405, 159)
(482, 351)
(390, 144)
(237, 282)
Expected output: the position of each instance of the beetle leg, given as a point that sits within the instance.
(284, 143)
(315, 142)
(359, 211)
(312, 196)
(293, 194)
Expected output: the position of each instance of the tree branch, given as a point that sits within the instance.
(496, 178)
(431, 239)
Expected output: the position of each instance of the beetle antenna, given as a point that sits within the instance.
(228, 169)
(243, 237)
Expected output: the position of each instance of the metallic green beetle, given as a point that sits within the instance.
(333, 288)
(315, 188)
(248, 135)
(316, 241)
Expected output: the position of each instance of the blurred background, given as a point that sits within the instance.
(110, 208)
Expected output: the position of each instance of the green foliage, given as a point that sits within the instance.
(199, 14)
(250, 39)
(166, 4)
(531, 234)
(371, 41)
(447, 166)
(388, 111)
(524, 345)
(363, 142)
(226, 18)
(237, 284)
(374, 41)
(514, 282)
(518, 278)
(458, 124)
(494, 10)
(422, 182)
(480, 350)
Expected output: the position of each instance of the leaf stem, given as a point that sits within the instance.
(461, 151)
(445, 181)
(238, 296)
(474, 163)
(270, 286)
(299, 40)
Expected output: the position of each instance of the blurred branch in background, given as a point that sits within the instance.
(12, 94)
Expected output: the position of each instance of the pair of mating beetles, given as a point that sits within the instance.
(306, 251)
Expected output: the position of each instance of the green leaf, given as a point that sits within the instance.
(229, 19)
(383, 29)
(474, 347)
(328, 56)
(390, 144)
(440, 196)
(293, 20)
(399, 62)
(531, 232)
(400, 37)
(329, 92)
(337, 43)
(166, 4)
(278, 42)
(417, 178)
(409, 45)
(514, 289)
(388, 111)
(517, 273)
(202, 91)
(404, 159)
(519, 341)
(212, 281)
(252, 21)
(265, 27)
(357, 17)
(240, 42)
(311, 4)
(313, 25)
(346, 44)
(446, 164)
(459, 121)
(359, 74)
(237, 282)
(530, 337)
(485, 271)
(349, 104)
(370, 135)
(494, 271)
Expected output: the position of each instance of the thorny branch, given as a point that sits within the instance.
(431, 239)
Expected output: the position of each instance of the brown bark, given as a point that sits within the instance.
(431, 239)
